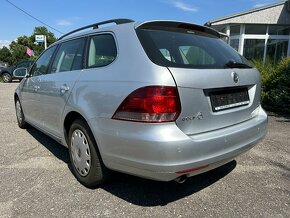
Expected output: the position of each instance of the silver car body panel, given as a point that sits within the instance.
(158, 150)
(191, 85)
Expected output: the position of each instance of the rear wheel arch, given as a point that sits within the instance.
(85, 157)
(68, 121)
(100, 171)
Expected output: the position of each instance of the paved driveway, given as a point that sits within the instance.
(36, 180)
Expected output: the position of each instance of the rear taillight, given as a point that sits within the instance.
(152, 104)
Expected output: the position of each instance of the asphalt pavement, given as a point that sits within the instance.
(36, 180)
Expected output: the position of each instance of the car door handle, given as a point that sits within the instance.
(64, 89)
(36, 88)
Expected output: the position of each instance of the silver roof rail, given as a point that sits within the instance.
(96, 25)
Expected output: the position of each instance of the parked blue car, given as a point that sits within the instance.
(7, 72)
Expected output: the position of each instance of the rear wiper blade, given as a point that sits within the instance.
(233, 64)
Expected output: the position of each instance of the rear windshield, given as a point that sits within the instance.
(173, 47)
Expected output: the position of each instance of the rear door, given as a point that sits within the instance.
(56, 86)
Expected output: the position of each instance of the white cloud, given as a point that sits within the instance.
(5, 43)
(183, 6)
(259, 5)
(64, 22)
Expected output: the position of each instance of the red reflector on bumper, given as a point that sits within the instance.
(191, 170)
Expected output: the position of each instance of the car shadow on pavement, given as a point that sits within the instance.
(139, 191)
(147, 193)
(54, 147)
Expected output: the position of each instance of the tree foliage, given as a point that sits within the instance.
(275, 84)
(5, 54)
(17, 51)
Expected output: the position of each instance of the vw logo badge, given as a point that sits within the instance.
(235, 77)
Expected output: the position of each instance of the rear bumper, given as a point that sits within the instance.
(158, 151)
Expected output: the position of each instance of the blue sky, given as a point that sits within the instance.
(66, 15)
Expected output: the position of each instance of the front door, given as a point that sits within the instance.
(32, 86)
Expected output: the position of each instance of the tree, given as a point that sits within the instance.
(18, 47)
(5, 55)
(50, 38)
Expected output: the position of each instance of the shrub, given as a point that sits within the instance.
(275, 84)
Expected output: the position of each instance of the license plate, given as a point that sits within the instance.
(231, 98)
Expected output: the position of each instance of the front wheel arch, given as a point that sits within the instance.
(19, 113)
(16, 97)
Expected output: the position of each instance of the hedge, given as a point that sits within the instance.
(275, 84)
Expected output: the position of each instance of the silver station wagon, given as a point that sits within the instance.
(163, 100)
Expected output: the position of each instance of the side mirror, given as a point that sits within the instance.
(20, 73)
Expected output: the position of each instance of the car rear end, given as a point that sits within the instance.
(211, 114)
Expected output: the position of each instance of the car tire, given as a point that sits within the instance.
(6, 77)
(20, 115)
(84, 155)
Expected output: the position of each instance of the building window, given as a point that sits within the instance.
(235, 44)
(254, 48)
(276, 49)
(235, 30)
(279, 30)
(255, 29)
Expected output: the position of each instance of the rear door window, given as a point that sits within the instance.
(102, 50)
(69, 56)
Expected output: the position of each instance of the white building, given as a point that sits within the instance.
(260, 33)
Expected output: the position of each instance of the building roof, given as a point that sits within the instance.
(251, 11)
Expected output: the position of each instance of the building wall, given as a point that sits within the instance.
(258, 33)
(274, 15)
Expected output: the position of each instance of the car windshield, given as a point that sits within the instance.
(173, 47)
